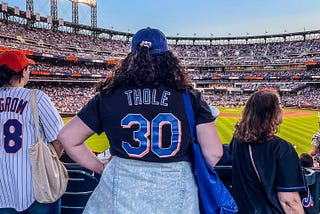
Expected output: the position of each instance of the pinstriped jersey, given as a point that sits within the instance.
(145, 123)
(17, 133)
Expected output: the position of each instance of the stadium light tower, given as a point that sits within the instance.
(29, 6)
(94, 19)
(75, 12)
(30, 10)
(54, 12)
(94, 15)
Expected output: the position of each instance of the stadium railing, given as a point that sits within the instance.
(82, 183)
(315, 188)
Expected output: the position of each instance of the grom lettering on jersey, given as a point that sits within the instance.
(147, 96)
(12, 104)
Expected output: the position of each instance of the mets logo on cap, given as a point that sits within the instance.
(154, 37)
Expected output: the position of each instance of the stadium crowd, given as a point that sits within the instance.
(70, 97)
(292, 82)
(70, 83)
(71, 69)
(15, 35)
(67, 98)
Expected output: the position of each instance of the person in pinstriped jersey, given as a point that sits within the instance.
(17, 133)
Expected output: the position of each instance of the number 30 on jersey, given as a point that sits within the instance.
(153, 129)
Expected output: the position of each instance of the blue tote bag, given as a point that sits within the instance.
(214, 197)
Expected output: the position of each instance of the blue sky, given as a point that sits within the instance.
(195, 17)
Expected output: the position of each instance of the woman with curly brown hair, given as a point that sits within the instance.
(141, 110)
(266, 173)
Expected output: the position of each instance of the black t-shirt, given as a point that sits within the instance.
(145, 123)
(279, 168)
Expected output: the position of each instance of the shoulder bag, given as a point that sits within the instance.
(49, 175)
(214, 197)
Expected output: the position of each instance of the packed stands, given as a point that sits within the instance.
(226, 70)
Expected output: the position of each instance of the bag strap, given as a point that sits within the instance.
(34, 109)
(255, 169)
(190, 115)
(254, 165)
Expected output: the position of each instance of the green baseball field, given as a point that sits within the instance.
(297, 127)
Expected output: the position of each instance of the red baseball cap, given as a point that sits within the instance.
(15, 60)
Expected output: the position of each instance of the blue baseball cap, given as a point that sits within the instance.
(154, 36)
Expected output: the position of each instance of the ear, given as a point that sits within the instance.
(25, 72)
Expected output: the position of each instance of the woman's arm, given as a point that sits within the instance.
(314, 150)
(210, 143)
(72, 136)
(290, 202)
(58, 147)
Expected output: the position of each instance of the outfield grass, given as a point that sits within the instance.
(97, 143)
(298, 130)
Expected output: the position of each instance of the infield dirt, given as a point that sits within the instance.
(286, 113)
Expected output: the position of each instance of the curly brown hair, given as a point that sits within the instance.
(261, 118)
(143, 68)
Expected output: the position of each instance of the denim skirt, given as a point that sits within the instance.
(133, 186)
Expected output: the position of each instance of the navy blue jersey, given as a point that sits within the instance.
(145, 123)
(279, 169)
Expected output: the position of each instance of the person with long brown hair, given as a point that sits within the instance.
(266, 172)
(141, 110)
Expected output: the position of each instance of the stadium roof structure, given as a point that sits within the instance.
(114, 34)
(91, 3)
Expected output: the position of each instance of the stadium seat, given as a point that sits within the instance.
(310, 176)
(80, 186)
(310, 206)
(76, 166)
(70, 164)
